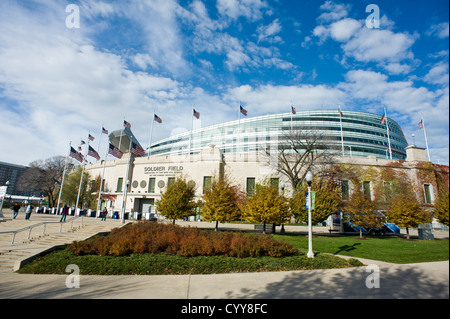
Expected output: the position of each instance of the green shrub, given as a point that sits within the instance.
(150, 237)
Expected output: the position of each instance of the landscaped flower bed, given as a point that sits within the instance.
(151, 237)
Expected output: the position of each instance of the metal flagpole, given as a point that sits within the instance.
(63, 177)
(151, 133)
(192, 128)
(426, 140)
(82, 173)
(342, 133)
(101, 181)
(121, 133)
(125, 188)
(292, 110)
(389, 138)
(239, 127)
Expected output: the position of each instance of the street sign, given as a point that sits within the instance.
(313, 200)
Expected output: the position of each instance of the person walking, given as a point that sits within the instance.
(104, 213)
(28, 211)
(64, 213)
(16, 208)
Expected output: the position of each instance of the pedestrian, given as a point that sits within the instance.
(64, 213)
(16, 208)
(28, 211)
(104, 213)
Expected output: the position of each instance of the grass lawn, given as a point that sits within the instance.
(389, 249)
(162, 264)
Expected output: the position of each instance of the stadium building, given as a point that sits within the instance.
(133, 183)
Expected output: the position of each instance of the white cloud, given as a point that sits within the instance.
(333, 11)
(268, 32)
(250, 9)
(438, 74)
(440, 30)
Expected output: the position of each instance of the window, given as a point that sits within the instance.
(206, 183)
(151, 185)
(250, 186)
(427, 191)
(366, 189)
(170, 181)
(345, 190)
(119, 185)
(275, 182)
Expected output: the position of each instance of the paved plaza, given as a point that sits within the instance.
(422, 280)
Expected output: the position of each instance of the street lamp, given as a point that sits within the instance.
(309, 178)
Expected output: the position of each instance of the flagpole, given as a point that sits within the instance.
(63, 177)
(151, 133)
(121, 133)
(291, 115)
(192, 128)
(125, 188)
(101, 182)
(389, 138)
(239, 127)
(82, 173)
(426, 140)
(342, 133)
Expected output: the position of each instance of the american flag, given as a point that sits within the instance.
(196, 114)
(383, 118)
(104, 131)
(74, 154)
(157, 119)
(243, 111)
(293, 111)
(114, 151)
(90, 137)
(421, 124)
(82, 142)
(126, 124)
(136, 150)
(93, 153)
(340, 112)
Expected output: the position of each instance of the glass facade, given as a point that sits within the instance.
(362, 134)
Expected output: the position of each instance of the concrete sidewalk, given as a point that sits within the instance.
(423, 280)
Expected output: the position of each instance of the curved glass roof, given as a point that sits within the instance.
(362, 134)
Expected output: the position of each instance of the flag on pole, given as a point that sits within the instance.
(157, 119)
(126, 124)
(421, 124)
(340, 112)
(90, 137)
(104, 131)
(293, 111)
(82, 142)
(93, 153)
(74, 154)
(114, 151)
(196, 114)
(243, 111)
(383, 118)
(136, 150)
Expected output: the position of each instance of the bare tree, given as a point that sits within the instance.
(44, 176)
(299, 151)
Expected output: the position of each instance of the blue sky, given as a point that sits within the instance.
(130, 57)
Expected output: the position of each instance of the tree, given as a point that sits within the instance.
(361, 211)
(302, 150)
(405, 211)
(441, 207)
(266, 206)
(44, 176)
(178, 200)
(327, 200)
(220, 202)
(88, 188)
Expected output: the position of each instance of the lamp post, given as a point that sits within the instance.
(309, 177)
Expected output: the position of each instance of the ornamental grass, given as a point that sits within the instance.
(154, 237)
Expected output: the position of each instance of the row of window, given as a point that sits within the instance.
(275, 182)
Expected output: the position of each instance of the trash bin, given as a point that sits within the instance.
(425, 231)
